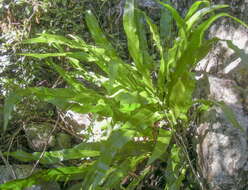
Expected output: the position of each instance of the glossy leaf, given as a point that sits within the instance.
(100, 169)
(136, 40)
(83, 150)
(194, 7)
(58, 174)
(163, 141)
(201, 13)
(122, 170)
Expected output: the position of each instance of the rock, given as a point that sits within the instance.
(98, 130)
(222, 148)
(38, 135)
(90, 127)
(22, 171)
(148, 3)
(77, 121)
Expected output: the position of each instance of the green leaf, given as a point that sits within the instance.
(166, 26)
(142, 34)
(58, 174)
(122, 170)
(80, 151)
(83, 150)
(54, 39)
(76, 55)
(200, 14)
(98, 35)
(101, 168)
(179, 20)
(61, 97)
(131, 29)
(136, 181)
(136, 40)
(194, 7)
(9, 104)
(240, 52)
(155, 35)
(163, 140)
(111, 63)
(175, 170)
(180, 98)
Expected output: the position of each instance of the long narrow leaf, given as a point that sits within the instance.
(58, 174)
(179, 20)
(9, 104)
(76, 55)
(101, 168)
(130, 27)
(155, 34)
(55, 39)
(135, 35)
(81, 151)
(98, 34)
(201, 13)
(163, 141)
(122, 170)
(63, 98)
(194, 7)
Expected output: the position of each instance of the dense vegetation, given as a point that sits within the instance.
(145, 88)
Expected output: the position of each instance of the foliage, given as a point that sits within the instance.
(22, 19)
(149, 97)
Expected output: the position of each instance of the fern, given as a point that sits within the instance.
(129, 95)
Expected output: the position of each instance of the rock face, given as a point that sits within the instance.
(223, 149)
(90, 128)
(22, 171)
(77, 121)
(40, 135)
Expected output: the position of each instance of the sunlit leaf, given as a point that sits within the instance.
(100, 169)
(163, 140)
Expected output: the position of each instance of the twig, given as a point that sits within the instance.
(45, 147)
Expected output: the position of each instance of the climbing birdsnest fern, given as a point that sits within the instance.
(139, 102)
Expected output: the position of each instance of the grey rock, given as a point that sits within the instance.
(90, 126)
(22, 171)
(222, 148)
(39, 135)
(148, 3)
(77, 121)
